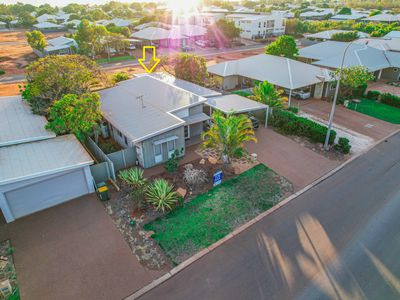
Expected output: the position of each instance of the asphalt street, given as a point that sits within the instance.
(338, 240)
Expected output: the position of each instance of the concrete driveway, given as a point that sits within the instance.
(346, 118)
(74, 251)
(288, 158)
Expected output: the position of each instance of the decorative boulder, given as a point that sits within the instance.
(212, 160)
(181, 192)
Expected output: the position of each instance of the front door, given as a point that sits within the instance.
(158, 154)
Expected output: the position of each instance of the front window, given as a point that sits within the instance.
(187, 132)
(158, 153)
(171, 148)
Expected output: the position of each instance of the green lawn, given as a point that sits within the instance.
(211, 216)
(114, 59)
(377, 110)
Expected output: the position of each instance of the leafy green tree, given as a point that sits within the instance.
(284, 45)
(374, 13)
(344, 11)
(223, 32)
(75, 114)
(228, 135)
(266, 93)
(345, 36)
(52, 77)
(192, 68)
(353, 80)
(90, 38)
(121, 30)
(36, 40)
(161, 195)
(26, 20)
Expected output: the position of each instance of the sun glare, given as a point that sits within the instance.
(182, 7)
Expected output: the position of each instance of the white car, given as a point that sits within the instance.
(299, 94)
(201, 43)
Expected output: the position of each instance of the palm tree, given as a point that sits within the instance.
(266, 93)
(228, 134)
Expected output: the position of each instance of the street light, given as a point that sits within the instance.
(331, 115)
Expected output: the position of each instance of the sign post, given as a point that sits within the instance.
(217, 178)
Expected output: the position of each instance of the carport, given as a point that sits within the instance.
(236, 104)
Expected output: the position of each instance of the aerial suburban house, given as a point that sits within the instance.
(160, 37)
(319, 14)
(58, 46)
(116, 21)
(355, 16)
(153, 116)
(46, 17)
(392, 34)
(384, 64)
(292, 75)
(383, 18)
(38, 169)
(327, 34)
(48, 27)
(258, 26)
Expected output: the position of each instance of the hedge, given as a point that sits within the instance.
(289, 123)
(390, 99)
(373, 95)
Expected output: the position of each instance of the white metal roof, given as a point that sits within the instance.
(383, 18)
(34, 159)
(329, 54)
(354, 16)
(156, 34)
(233, 103)
(122, 107)
(59, 43)
(386, 44)
(45, 25)
(18, 124)
(280, 71)
(183, 84)
(327, 34)
(393, 34)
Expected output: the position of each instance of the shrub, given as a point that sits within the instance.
(390, 99)
(172, 164)
(195, 178)
(2, 72)
(120, 76)
(134, 177)
(373, 95)
(289, 123)
(161, 195)
(343, 145)
(293, 109)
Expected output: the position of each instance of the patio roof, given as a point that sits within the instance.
(18, 124)
(234, 103)
(280, 71)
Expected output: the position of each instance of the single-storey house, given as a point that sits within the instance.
(116, 21)
(383, 18)
(392, 34)
(3, 25)
(58, 46)
(319, 14)
(327, 34)
(160, 37)
(329, 55)
(46, 17)
(355, 16)
(48, 26)
(280, 71)
(38, 169)
(152, 116)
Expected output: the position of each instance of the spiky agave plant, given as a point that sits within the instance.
(161, 195)
(133, 176)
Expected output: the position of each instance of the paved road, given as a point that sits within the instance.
(339, 240)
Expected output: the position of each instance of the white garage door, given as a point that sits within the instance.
(38, 196)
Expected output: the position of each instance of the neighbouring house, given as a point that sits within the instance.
(38, 169)
(3, 25)
(393, 34)
(160, 37)
(258, 26)
(282, 72)
(327, 34)
(73, 23)
(283, 13)
(116, 21)
(46, 17)
(58, 46)
(355, 16)
(319, 14)
(384, 64)
(206, 19)
(153, 117)
(48, 26)
(383, 18)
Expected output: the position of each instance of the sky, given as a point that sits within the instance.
(65, 2)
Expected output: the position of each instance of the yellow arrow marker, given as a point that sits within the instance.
(154, 61)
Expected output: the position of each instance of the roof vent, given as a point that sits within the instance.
(140, 98)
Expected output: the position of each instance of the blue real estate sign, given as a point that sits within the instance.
(217, 178)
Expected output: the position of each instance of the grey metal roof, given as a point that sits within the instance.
(18, 124)
(30, 160)
(393, 34)
(197, 118)
(383, 18)
(280, 71)
(394, 58)
(329, 54)
(183, 84)
(234, 103)
(327, 34)
(122, 107)
(45, 25)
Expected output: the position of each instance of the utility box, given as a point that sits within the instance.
(103, 192)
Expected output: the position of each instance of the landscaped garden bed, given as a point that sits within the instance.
(212, 215)
(114, 59)
(7, 269)
(377, 110)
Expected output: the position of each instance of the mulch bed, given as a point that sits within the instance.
(7, 268)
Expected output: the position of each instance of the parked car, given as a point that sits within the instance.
(201, 43)
(255, 122)
(187, 48)
(298, 94)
